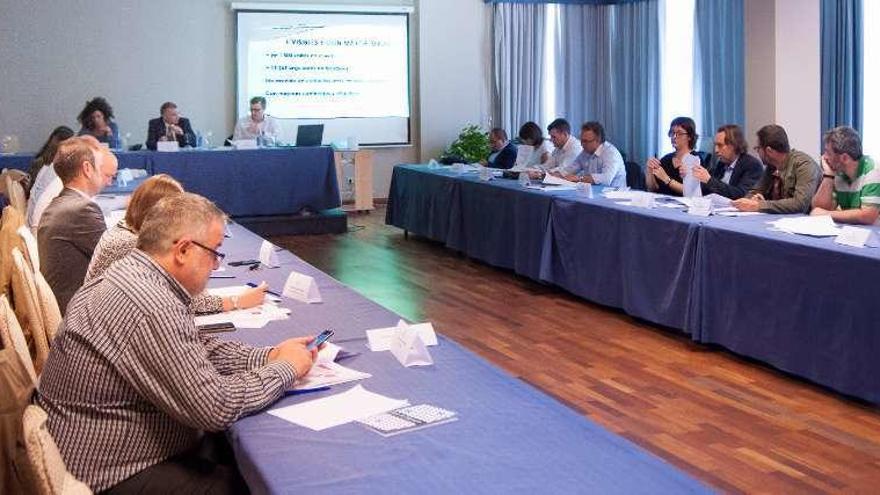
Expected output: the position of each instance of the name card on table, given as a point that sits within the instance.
(245, 144)
(701, 207)
(408, 347)
(167, 146)
(857, 237)
(302, 288)
(268, 256)
(643, 200)
(379, 339)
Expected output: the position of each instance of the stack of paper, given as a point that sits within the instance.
(325, 372)
(256, 317)
(339, 409)
(818, 226)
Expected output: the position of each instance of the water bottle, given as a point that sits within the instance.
(123, 142)
(690, 184)
(524, 179)
(206, 140)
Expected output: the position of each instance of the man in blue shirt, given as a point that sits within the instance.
(599, 163)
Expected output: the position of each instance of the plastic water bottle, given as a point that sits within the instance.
(206, 140)
(690, 184)
(524, 179)
(123, 142)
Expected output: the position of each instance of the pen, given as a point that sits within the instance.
(251, 284)
(222, 276)
(306, 391)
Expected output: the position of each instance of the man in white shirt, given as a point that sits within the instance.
(565, 147)
(599, 163)
(258, 123)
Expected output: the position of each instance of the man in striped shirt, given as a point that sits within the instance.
(130, 386)
(850, 187)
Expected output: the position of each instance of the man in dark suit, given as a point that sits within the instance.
(72, 223)
(503, 151)
(170, 127)
(735, 171)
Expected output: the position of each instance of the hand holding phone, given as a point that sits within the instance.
(320, 339)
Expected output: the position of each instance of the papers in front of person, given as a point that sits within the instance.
(858, 237)
(327, 373)
(815, 226)
(408, 418)
(256, 317)
(733, 212)
(463, 168)
(553, 180)
(327, 412)
(611, 193)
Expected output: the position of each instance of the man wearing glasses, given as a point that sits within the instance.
(599, 163)
(790, 177)
(131, 386)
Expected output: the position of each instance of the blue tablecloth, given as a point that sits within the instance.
(801, 304)
(243, 183)
(510, 438)
(805, 305)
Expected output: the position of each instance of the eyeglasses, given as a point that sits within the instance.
(677, 134)
(217, 254)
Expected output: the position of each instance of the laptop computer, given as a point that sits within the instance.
(309, 135)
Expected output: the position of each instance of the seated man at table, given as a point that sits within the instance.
(735, 171)
(565, 147)
(850, 187)
(503, 154)
(73, 223)
(258, 123)
(130, 385)
(599, 163)
(170, 127)
(790, 177)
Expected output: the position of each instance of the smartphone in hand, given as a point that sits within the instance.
(320, 339)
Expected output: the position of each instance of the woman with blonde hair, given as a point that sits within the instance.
(121, 239)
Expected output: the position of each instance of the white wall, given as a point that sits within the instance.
(798, 72)
(454, 68)
(760, 65)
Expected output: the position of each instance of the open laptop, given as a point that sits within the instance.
(309, 135)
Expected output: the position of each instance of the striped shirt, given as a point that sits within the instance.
(130, 382)
(861, 191)
(117, 243)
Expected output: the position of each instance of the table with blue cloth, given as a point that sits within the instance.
(803, 305)
(244, 183)
(509, 438)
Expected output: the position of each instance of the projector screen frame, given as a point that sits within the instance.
(268, 8)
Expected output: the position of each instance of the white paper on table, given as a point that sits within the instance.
(551, 187)
(857, 237)
(614, 194)
(379, 339)
(719, 202)
(644, 200)
(816, 226)
(327, 412)
(237, 290)
(325, 374)
(550, 179)
(167, 146)
(733, 212)
(302, 288)
(268, 256)
(245, 144)
(408, 348)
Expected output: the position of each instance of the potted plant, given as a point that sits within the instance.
(471, 146)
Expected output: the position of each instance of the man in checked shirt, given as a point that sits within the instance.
(131, 387)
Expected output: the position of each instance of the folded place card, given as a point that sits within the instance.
(245, 144)
(302, 288)
(379, 339)
(167, 146)
(408, 347)
(268, 256)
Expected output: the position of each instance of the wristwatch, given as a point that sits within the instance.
(828, 176)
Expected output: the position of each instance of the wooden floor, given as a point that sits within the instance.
(735, 424)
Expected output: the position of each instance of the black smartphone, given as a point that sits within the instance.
(243, 263)
(320, 339)
(224, 326)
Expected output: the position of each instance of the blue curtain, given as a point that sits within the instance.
(842, 77)
(719, 60)
(607, 62)
(518, 62)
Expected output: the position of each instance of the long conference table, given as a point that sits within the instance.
(804, 305)
(510, 437)
(244, 183)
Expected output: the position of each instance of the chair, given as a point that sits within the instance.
(48, 306)
(12, 337)
(15, 192)
(49, 475)
(30, 243)
(28, 310)
(635, 176)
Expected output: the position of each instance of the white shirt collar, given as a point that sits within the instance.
(81, 193)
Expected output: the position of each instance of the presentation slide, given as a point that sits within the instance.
(349, 71)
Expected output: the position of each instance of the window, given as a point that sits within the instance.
(871, 81)
(676, 66)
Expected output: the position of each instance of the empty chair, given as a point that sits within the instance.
(635, 176)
